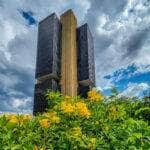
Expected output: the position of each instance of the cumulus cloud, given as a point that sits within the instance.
(134, 89)
(15, 84)
(19, 105)
(122, 33)
(8, 80)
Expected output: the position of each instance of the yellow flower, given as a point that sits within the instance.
(115, 112)
(12, 118)
(93, 140)
(95, 96)
(20, 119)
(52, 117)
(55, 119)
(77, 131)
(82, 109)
(28, 117)
(78, 108)
(105, 128)
(67, 107)
(44, 123)
(113, 109)
(35, 147)
(25, 118)
(92, 143)
(68, 97)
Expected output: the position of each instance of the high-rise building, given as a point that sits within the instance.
(86, 65)
(65, 58)
(69, 54)
(48, 60)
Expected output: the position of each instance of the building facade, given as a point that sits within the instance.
(48, 60)
(86, 65)
(65, 58)
(69, 81)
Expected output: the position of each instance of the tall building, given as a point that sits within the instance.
(69, 81)
(86, 65)
(65, 58)
(48, 60)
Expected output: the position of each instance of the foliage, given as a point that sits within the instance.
(112, 123)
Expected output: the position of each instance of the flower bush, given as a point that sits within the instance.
(112, 123)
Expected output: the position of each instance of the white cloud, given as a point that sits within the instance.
(18, 102)
(42, 9)
(122, 38)
(8, 80)
(102, 20)
(135, 89)
(143, 68)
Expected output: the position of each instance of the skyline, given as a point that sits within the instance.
(121, 30)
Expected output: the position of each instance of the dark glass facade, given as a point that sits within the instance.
(48, 60)
(40, 89)
(48, 48)
(86, 64)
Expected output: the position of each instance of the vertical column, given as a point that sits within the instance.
(69, 54)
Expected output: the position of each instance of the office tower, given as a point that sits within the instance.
(48, 60)
(69, 54)
(65, 58)
(86, 65)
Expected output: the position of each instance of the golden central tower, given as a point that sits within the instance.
(69, 54)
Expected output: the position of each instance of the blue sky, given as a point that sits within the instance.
(29, 17)
(121, 31)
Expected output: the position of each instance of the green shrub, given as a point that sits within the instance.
(143, 113)
(76, 123)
